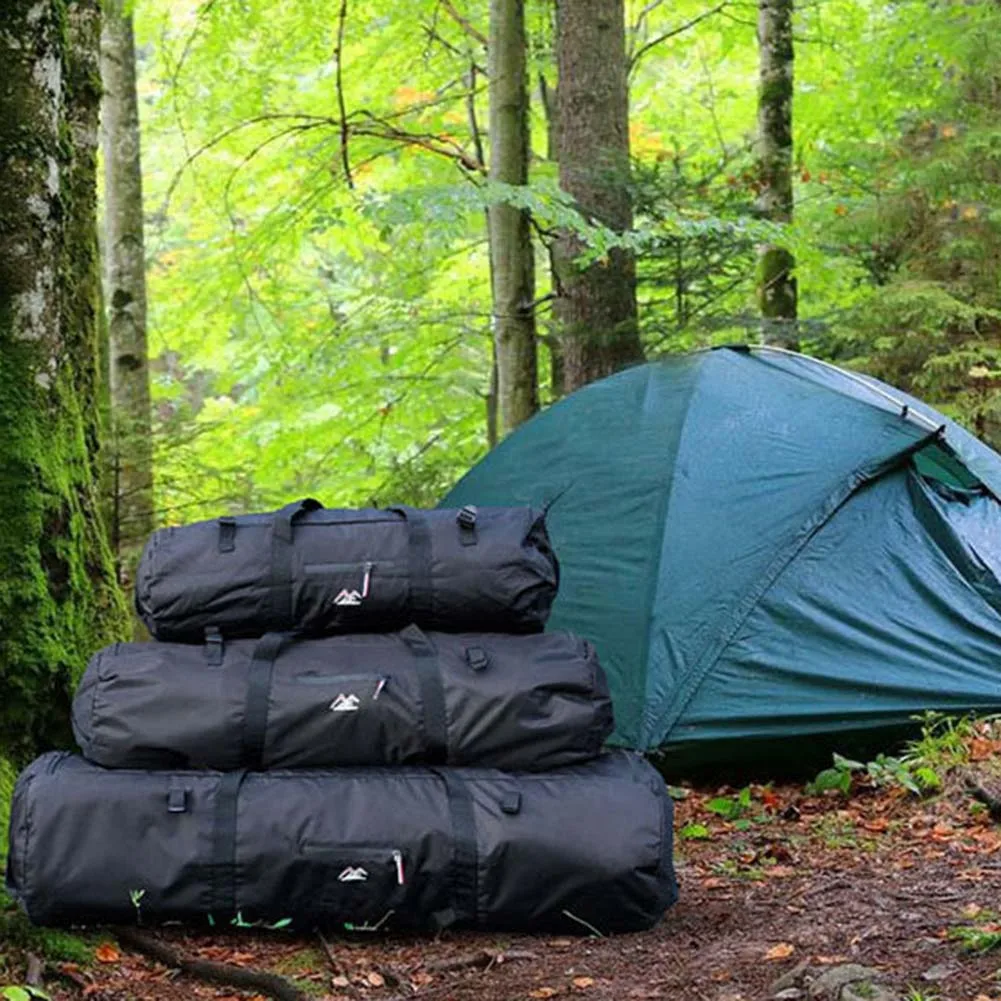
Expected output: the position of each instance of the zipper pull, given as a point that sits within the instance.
(398, 859)
(369, 567)
(380, 686)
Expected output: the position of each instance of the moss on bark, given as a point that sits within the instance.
(58, 598)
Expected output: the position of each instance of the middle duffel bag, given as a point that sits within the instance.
(517, 702)
(581, 849)
(332, 571)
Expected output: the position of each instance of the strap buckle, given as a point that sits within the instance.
(511, 802)
(466, 519)
(477, 658)
(227, 534)
(177, 800)
(213, 646)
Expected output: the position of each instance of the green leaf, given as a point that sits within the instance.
(15, 994)
(694, 832)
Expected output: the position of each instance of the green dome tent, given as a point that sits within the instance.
(763, 546)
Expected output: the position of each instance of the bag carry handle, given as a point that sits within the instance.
(432, 693)
(281, 560)
(284, 518)
(420, 597)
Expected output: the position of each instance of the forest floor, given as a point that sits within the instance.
(777, 888)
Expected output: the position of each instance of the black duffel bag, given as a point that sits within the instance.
(514, 702)
(333, 571)
(587, 846)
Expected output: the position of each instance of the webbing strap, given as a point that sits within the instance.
(463, 875)
(255, 716)
(282, 552)
(420, 598)
(223, 865)
(432, 693)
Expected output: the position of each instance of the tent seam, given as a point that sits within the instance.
(661, 526)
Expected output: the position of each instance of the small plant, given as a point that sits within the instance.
(916, 994)
(885, 771)
(694, 832)
(136, 896)
(977, 938)
(25, 993)
(731, 807)
(944, 742)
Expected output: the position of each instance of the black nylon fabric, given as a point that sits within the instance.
(359, 846)
(517, 702)
(324, 571)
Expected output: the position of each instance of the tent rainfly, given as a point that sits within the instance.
(763, 546)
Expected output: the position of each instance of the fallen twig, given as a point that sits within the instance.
(270, 984)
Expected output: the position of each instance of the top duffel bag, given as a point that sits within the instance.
(306, 568)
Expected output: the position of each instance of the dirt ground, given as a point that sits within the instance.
(789, 885)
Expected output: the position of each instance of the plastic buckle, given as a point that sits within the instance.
(476, 658)
(227, 534)
(213, 646)
(467, 524)
(511, 803)
(177, 800)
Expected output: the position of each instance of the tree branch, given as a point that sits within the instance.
(680, 29)
(341, 107)
(227, 974)
(464, 23)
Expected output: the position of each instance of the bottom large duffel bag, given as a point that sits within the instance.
(585, 846)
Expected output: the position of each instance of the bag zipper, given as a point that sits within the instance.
(398, 859)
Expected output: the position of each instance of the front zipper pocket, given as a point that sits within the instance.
(375, 682)
(363, 884)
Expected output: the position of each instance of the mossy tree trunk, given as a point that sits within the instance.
(595, 306)
(776, 284)
(125, 294)
(59, 600)
(511, 254)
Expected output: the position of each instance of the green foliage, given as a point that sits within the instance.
(944, 742)
(8, 776)
(884, 770)
(984, 935)
(694, 832)
(322, 333)
(731, 807)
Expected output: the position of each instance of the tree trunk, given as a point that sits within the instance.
(125, 294)
(58, 598)
(595, 306)
(511, 254)
(776, 265)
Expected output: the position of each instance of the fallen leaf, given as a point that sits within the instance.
(878, 825)
(971, 910)
(583, 982)
(421, 979)
(376, 979)
(560, 943)
(542, 992)
(340, 981)
(107, 953)
(781, 951)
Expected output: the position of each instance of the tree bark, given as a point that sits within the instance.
(58, 597)
(595, 306)
(511, 254)
(125, 294)
(776, 284)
